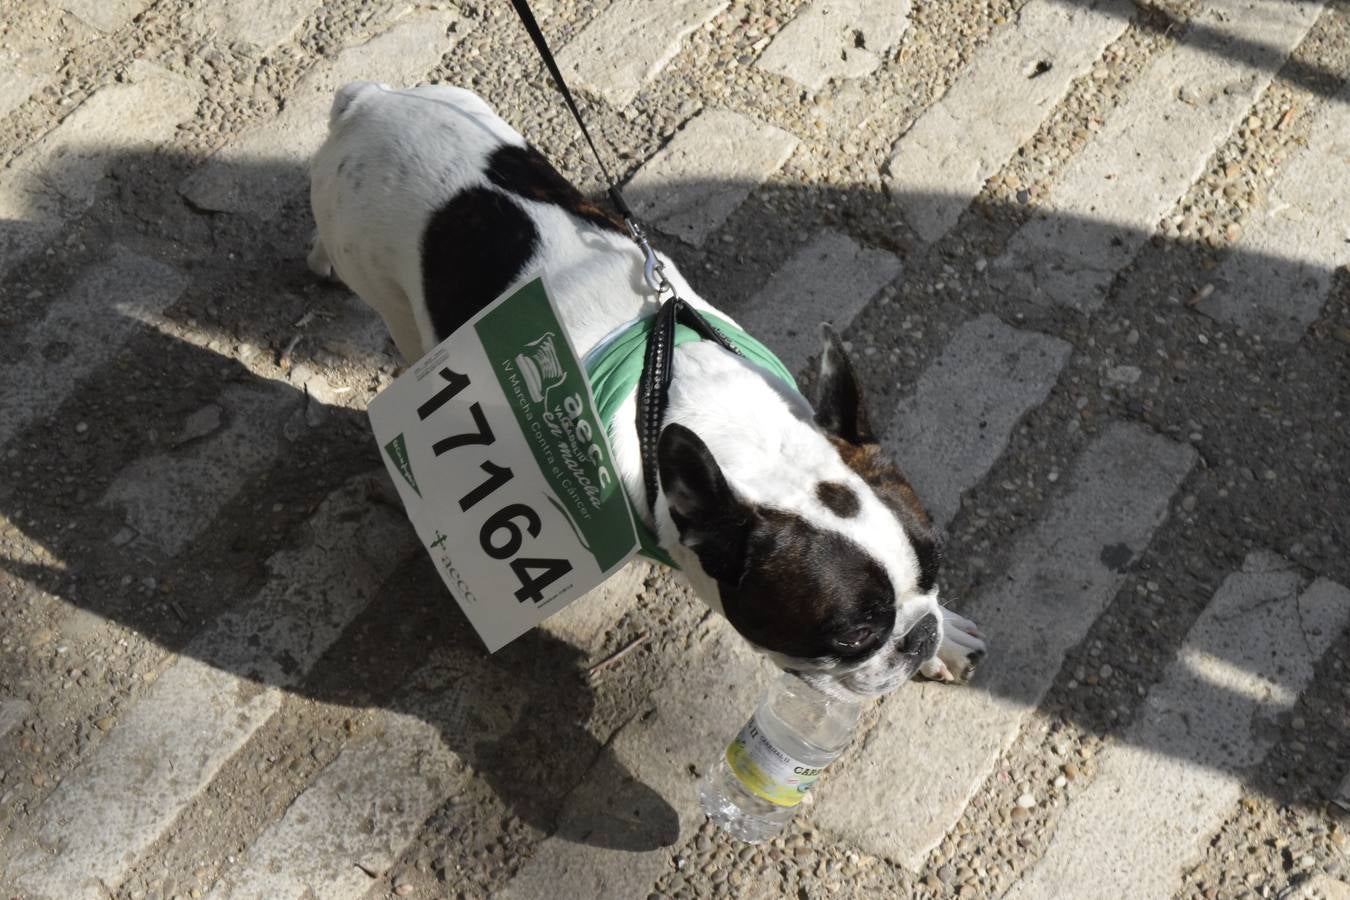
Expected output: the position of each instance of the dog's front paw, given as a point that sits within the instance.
(961, 650)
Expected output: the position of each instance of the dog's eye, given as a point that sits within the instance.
(856, 639)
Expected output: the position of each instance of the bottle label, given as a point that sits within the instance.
(768, 772)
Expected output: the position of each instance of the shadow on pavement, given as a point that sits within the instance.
(527, 737)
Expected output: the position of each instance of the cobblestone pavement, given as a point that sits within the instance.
(1090, 257)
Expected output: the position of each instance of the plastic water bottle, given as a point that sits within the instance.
(796, 732)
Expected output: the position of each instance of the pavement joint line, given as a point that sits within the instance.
(1166, 785)
(899, 804)
(1106, 204)
(166, 748)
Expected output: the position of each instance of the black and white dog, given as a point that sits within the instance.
(790, 522)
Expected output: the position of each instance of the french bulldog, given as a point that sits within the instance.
(787, 519)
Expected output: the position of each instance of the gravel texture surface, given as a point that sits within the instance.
(91, 614)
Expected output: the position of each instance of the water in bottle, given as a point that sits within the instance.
(796, 732)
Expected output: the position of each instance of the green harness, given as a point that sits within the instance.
(615, 366)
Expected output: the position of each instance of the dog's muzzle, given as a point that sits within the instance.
(920, 643)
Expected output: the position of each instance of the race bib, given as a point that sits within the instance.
(504, 467)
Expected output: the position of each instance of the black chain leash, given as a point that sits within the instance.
(657, 370)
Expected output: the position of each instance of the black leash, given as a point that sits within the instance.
(654, 384)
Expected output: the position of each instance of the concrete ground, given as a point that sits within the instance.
(1090, 257)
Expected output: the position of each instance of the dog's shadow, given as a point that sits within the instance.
(518, 720)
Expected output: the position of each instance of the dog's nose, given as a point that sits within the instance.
(920, 642)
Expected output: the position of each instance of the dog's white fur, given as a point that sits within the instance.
(762, 436)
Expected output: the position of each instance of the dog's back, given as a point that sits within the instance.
(429, 206)
(391, 160)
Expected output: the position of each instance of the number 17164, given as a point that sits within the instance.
(503, 532)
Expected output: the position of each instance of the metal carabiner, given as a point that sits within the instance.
(650, 269)
(653, 270)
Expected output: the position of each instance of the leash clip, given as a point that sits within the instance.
(653, 270)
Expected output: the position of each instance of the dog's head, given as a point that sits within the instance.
(834, 576)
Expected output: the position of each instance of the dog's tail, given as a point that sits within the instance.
(347, 95)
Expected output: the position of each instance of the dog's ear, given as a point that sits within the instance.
(839, 404)
(712, 520)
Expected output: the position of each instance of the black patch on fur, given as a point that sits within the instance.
(838, 499)
(805, 589)
(711, 519)
(786, 584)
(841, 410)
(526, 173)
(473, 248)
(929, 556)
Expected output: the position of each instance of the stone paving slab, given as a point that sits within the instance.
(617, 825)
(61, 175)
(1323, 887)
(105, 15)
(258, 172)
(1279, 274)
(836, 39)
(906, 786)
(90, 326)
(694, 183)
(263, 23)
(354, 818)
(67, 166)
(23, 70)
(168, 746)
(17, 82)
(586, 621)
(1244, 663)
(830, 280)
(996, 105)
(629, 43)
(324, 845)
(12, 712)
(170, 497)
(956, 424)
(1109, 200)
